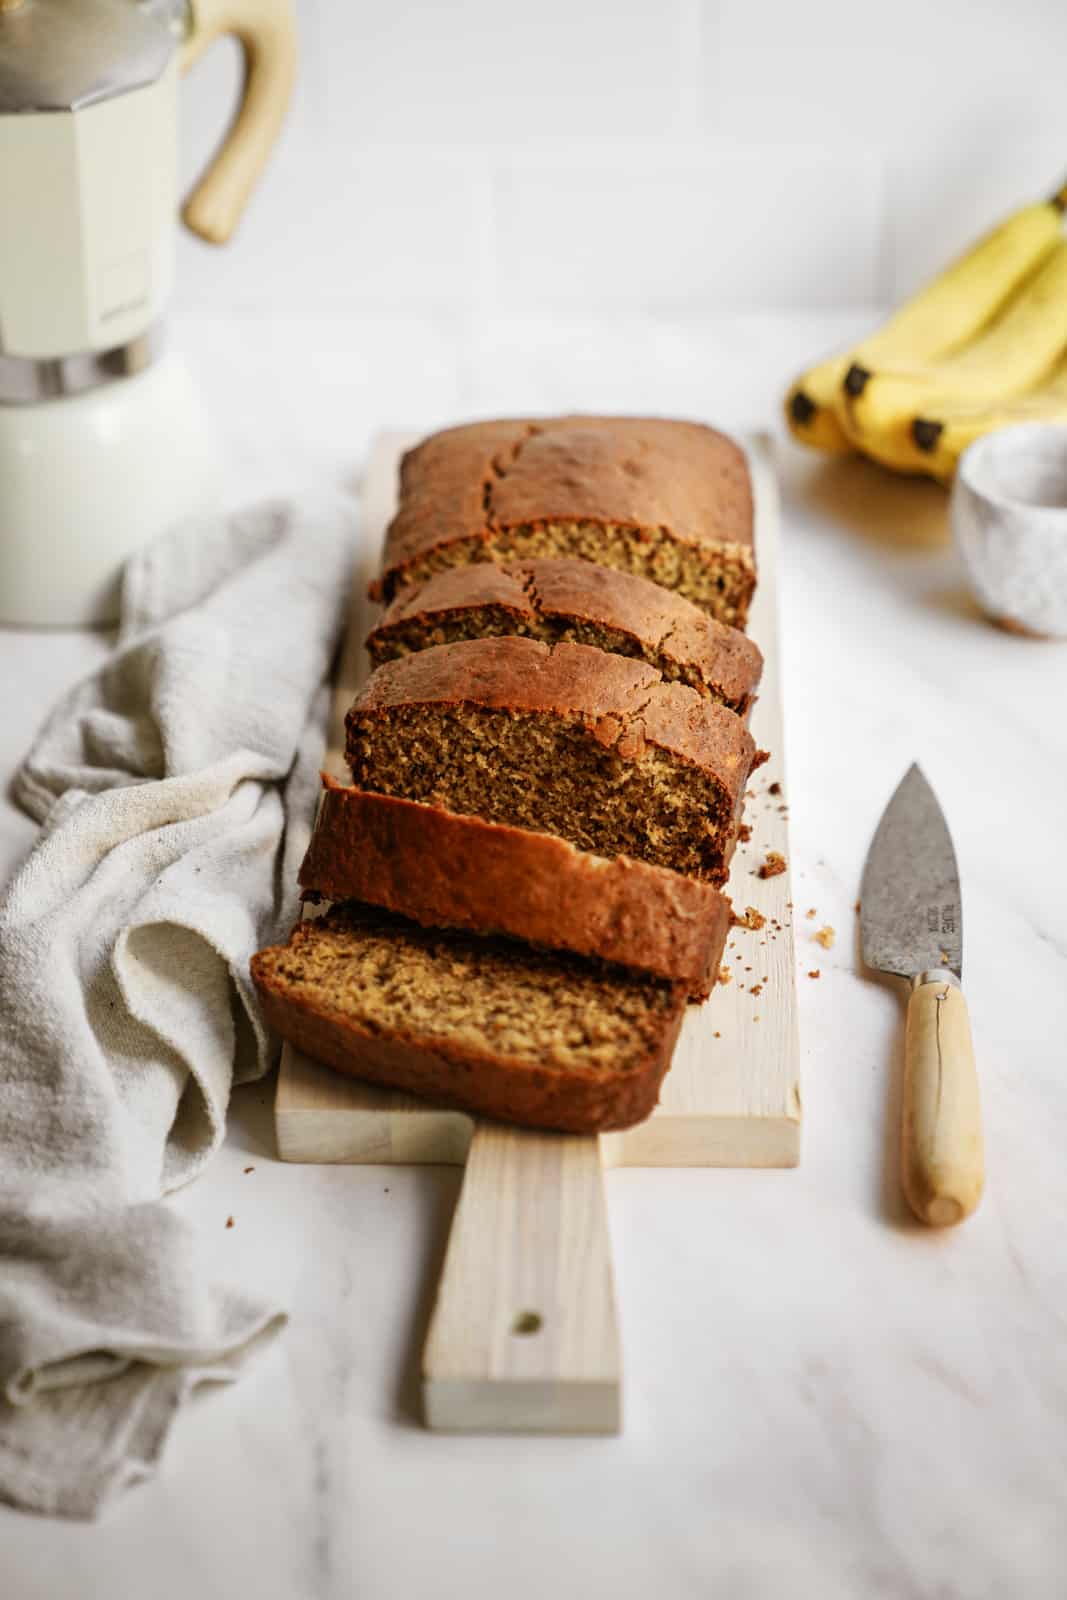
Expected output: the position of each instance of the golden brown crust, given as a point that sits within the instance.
(625, 703)
(525, 596)
(541, 1098)
(650, 475)
(445, 870)
(457, 588)
(638, 471)
(474, 1079)
(442, 487)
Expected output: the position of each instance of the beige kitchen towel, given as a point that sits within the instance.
(175, 788)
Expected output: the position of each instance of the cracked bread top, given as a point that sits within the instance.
(551, 598)
(566, 739)
(470, 483)
(626, 703)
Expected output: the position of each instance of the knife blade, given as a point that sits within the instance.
(911, 925)
(910, 917)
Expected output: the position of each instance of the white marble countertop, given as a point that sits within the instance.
(821, 1399)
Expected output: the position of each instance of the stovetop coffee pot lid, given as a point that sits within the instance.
(63, 55)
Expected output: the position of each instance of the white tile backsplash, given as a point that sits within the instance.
(333, 226)
(940, 77)
(979, 187)
(732, 228)
(497, 72)
(677, 156)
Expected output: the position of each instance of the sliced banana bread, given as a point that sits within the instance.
(496, 1028)
(567, 740)
(670, 501)
(580, 601)
(449, 871)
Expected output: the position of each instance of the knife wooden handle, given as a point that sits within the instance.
(942, 1160)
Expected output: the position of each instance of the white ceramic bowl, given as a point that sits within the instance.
(1009, 521)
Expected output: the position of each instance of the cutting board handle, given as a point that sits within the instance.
(524, 1336)
(942, 1161)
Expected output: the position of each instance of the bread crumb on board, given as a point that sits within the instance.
(775, 788)
(815, 974)
(810, 913)
(773, 866)
(752, 919)
(229, 1222)
(725, 975)
(825, 937)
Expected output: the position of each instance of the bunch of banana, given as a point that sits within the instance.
(985, 338)
(944, 439)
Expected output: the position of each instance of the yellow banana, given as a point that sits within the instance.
(937, 320)
(1015, 353)
(810, 406)
(941, 440)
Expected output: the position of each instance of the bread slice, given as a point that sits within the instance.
(449, 871)
(567, 740)
(670, 501)
(555, 600)
(495, 1028)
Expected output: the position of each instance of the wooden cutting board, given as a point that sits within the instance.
(525, 1334)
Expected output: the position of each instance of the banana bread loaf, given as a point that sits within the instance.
(567, 740)
(670, 501)
(496, 1028)
(580, 601)
(449, 871)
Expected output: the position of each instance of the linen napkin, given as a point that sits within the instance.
(176, 787)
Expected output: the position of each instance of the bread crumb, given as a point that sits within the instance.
(773, 866)
(756, 1017)
(249, 1169)
(815, 974)
(825, 937)
(752, 919)
(757, 988)
(857, 907)
(744, 833)
(716, 1034)
(810, 913)
(725, 975)
(229, 1222)
(775, 788)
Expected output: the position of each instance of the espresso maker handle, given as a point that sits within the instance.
(266, 31)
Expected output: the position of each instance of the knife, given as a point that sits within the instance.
(911, 925)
